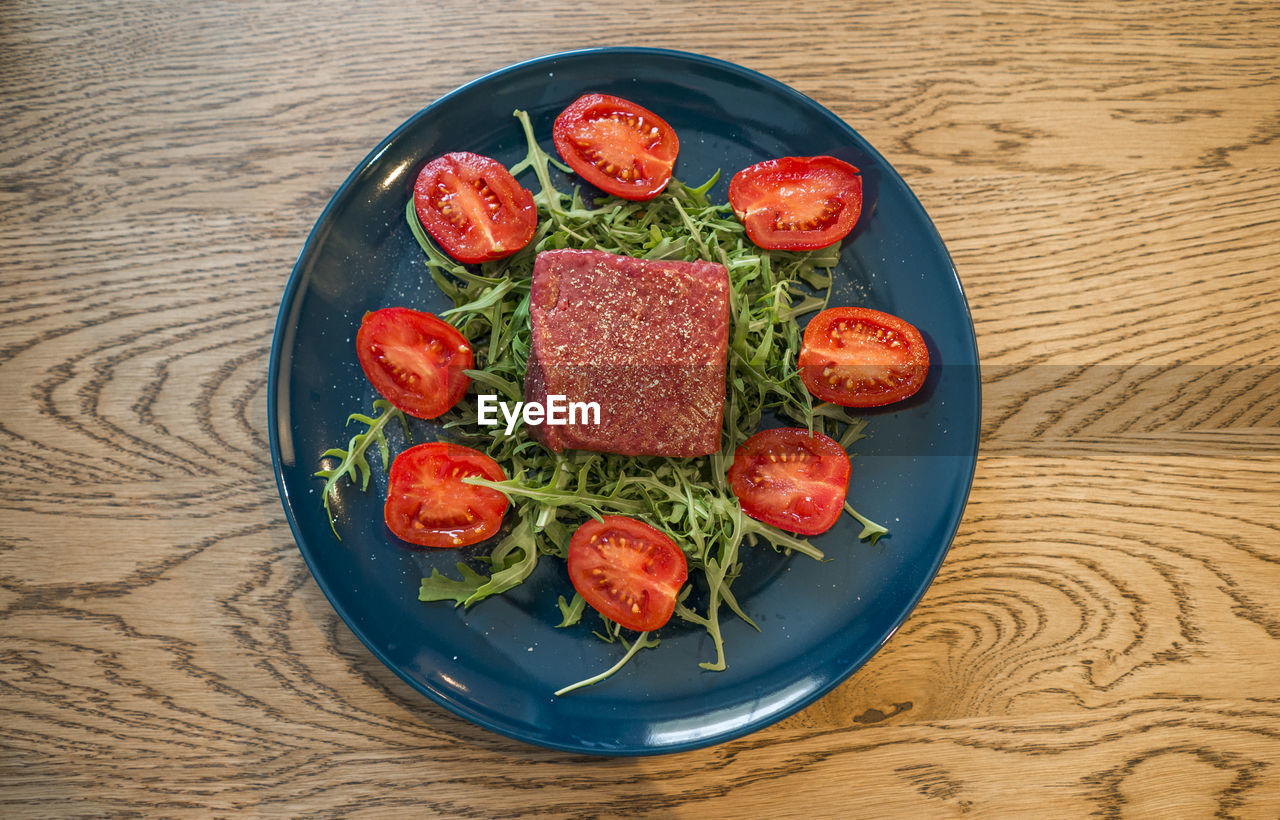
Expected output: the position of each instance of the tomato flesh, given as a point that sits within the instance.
(627, 571)
(797, 203)
(415, 360)
(617, 146)
(428, 504)
(792, 479)
(858, 357)
(473, 207)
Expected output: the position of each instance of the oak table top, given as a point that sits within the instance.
(1103, 637)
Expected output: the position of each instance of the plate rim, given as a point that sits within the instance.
(950, 526)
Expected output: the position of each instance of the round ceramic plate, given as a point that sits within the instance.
(498, 663)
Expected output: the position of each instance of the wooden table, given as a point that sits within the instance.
(1103, 638)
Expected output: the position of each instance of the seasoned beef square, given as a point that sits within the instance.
(645, 339)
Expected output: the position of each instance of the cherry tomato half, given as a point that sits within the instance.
(627, 571)
(429, 505)
(791, 478)
(473, 207)
(797, 203)
(414, 360)
(617, 146)
(858, 357)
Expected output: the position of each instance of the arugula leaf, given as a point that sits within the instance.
(571, 612)
(514, 560)
(440, 587)
(870, 529)
(353, 462)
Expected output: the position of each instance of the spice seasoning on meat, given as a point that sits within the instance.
(645, 339)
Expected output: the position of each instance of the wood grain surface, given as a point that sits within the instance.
(1103, 638)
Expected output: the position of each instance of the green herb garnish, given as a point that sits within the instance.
(353, 462)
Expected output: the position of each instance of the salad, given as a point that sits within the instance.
(613, 517)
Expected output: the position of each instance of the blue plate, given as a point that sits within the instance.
(498, 664)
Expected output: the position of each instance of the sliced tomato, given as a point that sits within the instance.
(791, 478)
(627, 571)
(414, 360)
(473, 207)
(428, 504)
(797, 203)
(858, 357)
(617, 146)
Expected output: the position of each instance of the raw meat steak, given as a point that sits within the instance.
(645, 339)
